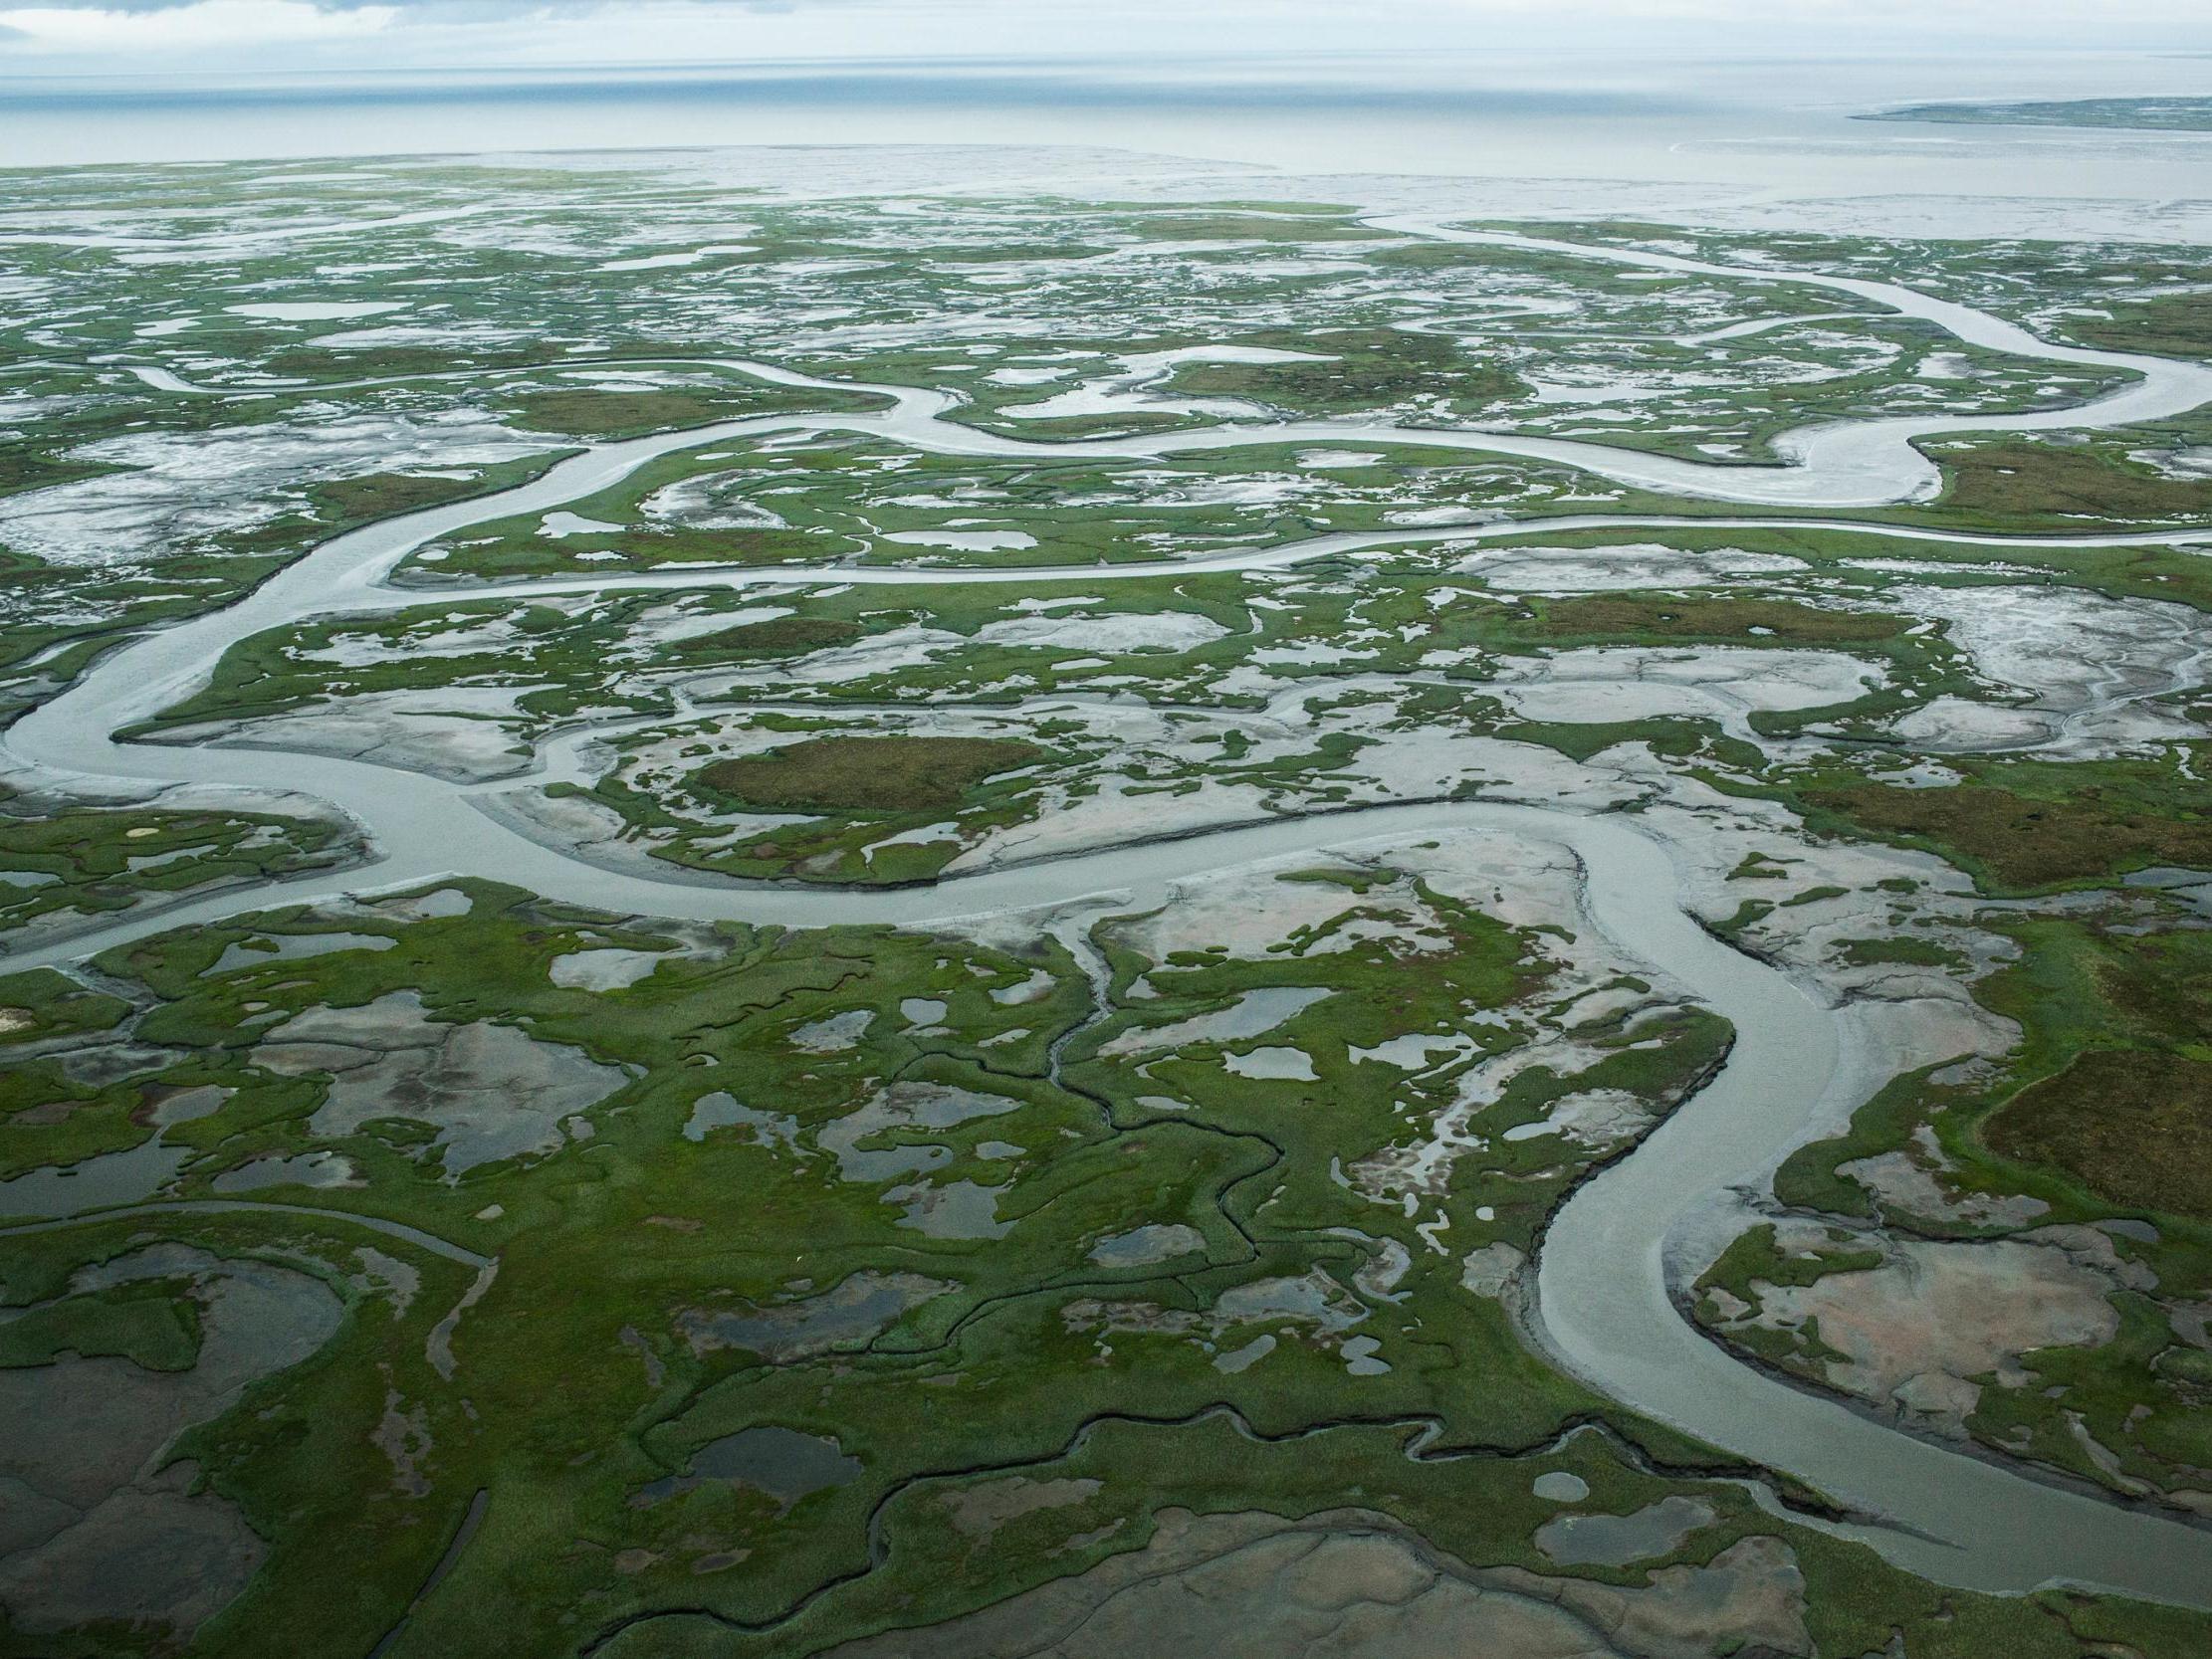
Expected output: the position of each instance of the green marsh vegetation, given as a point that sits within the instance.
(89, 860)
(867, 775)
(613, 1245)
(923, 1148)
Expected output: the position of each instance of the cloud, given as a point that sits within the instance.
(160, 28)
(372, 34)
(54, 13)
(2086, 15)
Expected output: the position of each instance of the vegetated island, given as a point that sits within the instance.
(2144, 114)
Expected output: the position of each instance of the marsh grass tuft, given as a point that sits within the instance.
(867, 775)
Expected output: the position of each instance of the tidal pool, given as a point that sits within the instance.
(1143, 1245)
(781, 1462)
(1617, 1540)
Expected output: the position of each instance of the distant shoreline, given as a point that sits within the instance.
(2138, 114)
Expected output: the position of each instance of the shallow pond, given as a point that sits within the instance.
(781, 1462)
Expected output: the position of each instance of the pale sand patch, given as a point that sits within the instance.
(1254, 1586)
(980, 1510)
(1914, 1331)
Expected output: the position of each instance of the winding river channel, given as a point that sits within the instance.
(1644, 1224)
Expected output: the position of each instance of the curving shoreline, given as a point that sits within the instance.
(1603, 1308)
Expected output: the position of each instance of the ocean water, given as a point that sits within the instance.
(1729, 128)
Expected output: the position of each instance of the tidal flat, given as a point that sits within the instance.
(749, 920)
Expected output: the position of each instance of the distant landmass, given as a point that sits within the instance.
(2149, 114)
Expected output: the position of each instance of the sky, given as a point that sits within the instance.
(107, 37)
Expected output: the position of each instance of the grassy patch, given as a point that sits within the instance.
(2170, 326)
(151, 1323)
(103, 859)
(40, 1002)
(1247, 227)
(1909, 952)
(2021, 480)
(867, 775)
(779, 636)
(586, 411)
(1364, 369)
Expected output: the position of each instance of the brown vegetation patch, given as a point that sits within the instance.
(2019, 480)
(1364, 368)
(1639, 618)
(320, 361)
(593, 411)
(381, 494)
(1248, 227)
(586, 411)
(2022, 841)
(2132, 1125)
(782, 636)
(2170, 325)
(867, 775)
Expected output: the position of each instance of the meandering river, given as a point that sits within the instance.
(1646, 1223)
